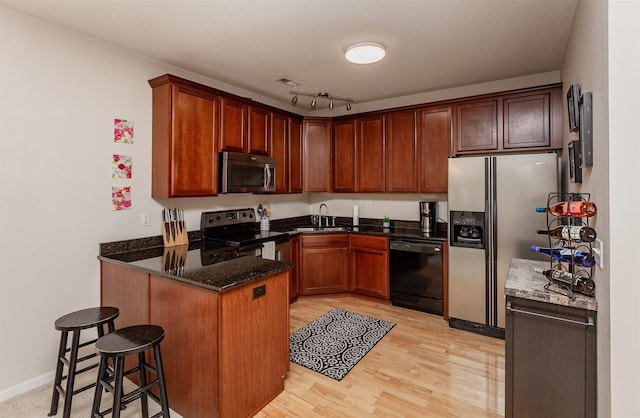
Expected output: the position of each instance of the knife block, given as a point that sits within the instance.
(174, 233)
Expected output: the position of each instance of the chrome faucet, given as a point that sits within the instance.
(326, 214)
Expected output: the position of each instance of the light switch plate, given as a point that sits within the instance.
(598, 253)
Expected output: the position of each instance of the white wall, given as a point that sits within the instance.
(602, 55)
(59, 94)
(624, 192)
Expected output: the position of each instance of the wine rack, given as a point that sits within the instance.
(581, 280)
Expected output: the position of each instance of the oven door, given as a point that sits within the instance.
(246, 173)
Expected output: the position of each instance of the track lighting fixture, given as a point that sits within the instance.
(316, 99)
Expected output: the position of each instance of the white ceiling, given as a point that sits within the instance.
(431, 44)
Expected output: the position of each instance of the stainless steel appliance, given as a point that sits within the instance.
(237, 229)
(246, 173)
(492, 219)
(416, 274)
(428, 217)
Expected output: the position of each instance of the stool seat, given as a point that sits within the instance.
(74, 323)
(86, 318)
(133, 340)
(130, 340)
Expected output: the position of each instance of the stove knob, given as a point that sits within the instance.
(244, 214)
(250, 215)
(218, 217)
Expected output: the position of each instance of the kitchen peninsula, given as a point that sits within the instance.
(226, 321)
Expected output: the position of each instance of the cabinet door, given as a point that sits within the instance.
(402, 158)
(344, 156)
(324, 264)
(259, 130)
(477, 126)
(526, 121)
(280, 151)
(184, 154)
(370, 265)
(317, 155)
(434, 133)
(371, 154)
(233, 122)
(295, 156)
(550, 363)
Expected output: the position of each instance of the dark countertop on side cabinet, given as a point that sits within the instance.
(216, 269)
(523, 282)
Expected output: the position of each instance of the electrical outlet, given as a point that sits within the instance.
(598, 253)
(369, 207)
(144, 219)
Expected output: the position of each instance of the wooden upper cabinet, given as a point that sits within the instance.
(402, 156)
(344, 155)
(259, 130)
(295, 155)
(477, 126)
(371, 154)
(184, 151)
(526, 121)
(233, 125)
(522, 120)
(317, 155)
(434, 142)
(280, 151)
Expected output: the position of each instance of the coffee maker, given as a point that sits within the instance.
(428, 217)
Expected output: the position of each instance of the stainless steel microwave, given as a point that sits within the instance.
(247, 173)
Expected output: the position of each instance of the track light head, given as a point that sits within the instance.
(348, 106)
(313, 102)
(294, 100)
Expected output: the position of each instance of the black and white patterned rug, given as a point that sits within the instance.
(335, 342)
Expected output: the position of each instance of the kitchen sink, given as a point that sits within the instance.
(322, 229)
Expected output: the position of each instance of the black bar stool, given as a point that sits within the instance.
(76, 322)
(117, 345)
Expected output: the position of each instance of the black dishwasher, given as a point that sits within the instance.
(416, 275)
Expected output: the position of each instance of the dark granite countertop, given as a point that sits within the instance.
(215, 269)
(398, 229)
(523, 282)
(220, 269)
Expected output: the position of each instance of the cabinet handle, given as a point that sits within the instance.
(590, 322)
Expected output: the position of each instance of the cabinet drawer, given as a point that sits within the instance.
(369, 241)
(324, 240)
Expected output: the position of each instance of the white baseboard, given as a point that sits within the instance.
(27, 386)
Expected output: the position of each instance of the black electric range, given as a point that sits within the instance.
(236, 228)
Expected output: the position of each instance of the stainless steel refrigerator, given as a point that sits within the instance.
(492, 219)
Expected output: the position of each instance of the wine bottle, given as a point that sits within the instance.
(577, 209)
(574, 233)
(567, 255)
(574, 282)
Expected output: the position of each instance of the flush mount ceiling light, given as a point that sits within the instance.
(364, 52)
(320, 99)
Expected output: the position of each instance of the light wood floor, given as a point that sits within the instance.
(421, 368)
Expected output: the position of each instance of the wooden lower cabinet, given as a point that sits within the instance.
(370, 265)
(550, 360)
(294, 275)
(224, 354)
(324, 264)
